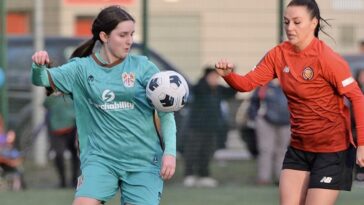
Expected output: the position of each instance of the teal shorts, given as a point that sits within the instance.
(137, 188)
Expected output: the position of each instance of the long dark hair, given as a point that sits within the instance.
(314, 10)
(105, 21)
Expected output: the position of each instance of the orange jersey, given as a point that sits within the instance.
(314, 81)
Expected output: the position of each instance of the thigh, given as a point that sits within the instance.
(293, 186)
(97, 182)
(321, 196)
(141, 188)
(85, 201)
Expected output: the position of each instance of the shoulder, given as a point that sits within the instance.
(79, 62)
(138, 59)
(331, 58)
(142, 62)
(284, 46)
(279, 49)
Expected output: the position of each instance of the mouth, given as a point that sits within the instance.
(290, 36)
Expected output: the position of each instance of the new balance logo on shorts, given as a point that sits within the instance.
(326, 180)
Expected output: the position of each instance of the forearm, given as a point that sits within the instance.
(357, 101)
(239, 82)
(39, 75)
(168, 128)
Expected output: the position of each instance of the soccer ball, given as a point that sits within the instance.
(168, 91)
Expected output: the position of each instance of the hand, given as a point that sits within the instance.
(360, 156)
(168, 166)
(223, 67)
(40, 58)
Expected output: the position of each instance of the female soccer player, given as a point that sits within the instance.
(315, 79)
(119, 145)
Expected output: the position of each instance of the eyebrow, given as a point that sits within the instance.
(294, 18)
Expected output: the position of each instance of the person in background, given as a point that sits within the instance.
(11, 159)
(269, 110)
(320, 159)
(61, 124)
(204, 127)
(361, 46)
(119, 145)
(246, 126)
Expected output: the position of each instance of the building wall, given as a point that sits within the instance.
(192, 34)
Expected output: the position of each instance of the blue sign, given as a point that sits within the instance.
(2, 77)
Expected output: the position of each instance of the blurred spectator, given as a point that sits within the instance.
(269, 109)
(10, 159)
(246, 126)
(62, 134)
(224, 127)
(361, 46)
(204, 126)
(2, 77)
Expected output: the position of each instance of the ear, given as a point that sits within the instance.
(314, 22)
(103, 36)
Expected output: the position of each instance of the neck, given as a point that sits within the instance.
(302, 45)
(105, 57)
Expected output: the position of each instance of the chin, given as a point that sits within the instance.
(293, 41)
(122, 56)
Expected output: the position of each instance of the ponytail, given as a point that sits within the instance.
(84, 49)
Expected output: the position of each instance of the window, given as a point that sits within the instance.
(347, 4)
(83, 26)
(18, 23)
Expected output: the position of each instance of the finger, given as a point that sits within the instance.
(168, 174)
(218, 65)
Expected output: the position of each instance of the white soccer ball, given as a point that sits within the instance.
(168, 91)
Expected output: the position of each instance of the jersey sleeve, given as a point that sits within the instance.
(357, 101)
(169, 132)
(258, 76)
(63, 77)
(337, 72)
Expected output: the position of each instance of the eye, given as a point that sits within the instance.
(285, 21)
(297, 22)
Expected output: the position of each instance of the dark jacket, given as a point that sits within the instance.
(270, 102)
(205, 106)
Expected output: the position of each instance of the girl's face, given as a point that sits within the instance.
(119, 41)
(213, 79)
(299, 26)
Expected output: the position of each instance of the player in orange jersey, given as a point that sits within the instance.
(319, 161)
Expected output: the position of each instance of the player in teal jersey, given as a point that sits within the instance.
(119, 145)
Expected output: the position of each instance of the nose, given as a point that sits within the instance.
(289, 26)
(129, 40)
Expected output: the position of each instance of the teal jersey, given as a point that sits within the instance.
(114, 119)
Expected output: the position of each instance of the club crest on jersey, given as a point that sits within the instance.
(307, 73)
(128, 79)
